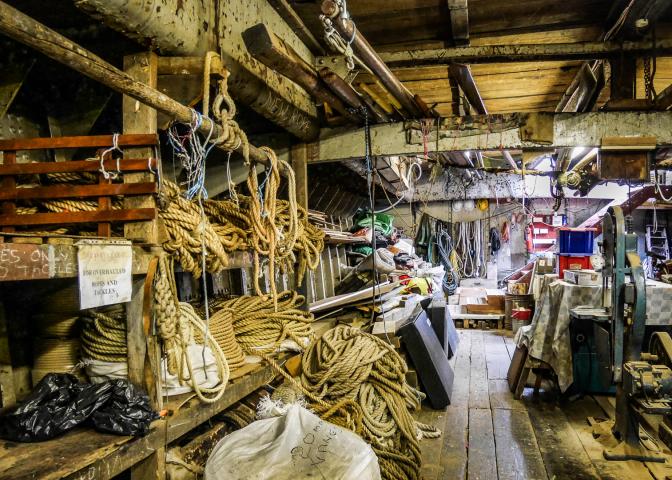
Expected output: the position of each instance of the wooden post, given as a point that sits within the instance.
(623, 74)
(7, 390)
(135, 335)
(299, 157)
(140, 118)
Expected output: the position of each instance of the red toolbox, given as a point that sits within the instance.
(573, 262)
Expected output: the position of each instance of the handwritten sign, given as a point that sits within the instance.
(104, 272)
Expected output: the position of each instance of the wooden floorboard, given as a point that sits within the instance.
(478, 385)
(430, 448)
(501, 396)
(453, 459)
(518, 455)
(577, 413)
(487, 434)
(482, 464)
(496, 355)
(561, 449)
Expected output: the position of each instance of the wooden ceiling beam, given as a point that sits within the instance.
(462, 75)
(517, 53)
(459, 21)
(295, 22)
(495, 132)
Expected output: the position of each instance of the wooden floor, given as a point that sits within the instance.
(488, 435)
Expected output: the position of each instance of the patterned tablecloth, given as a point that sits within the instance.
(547, 337)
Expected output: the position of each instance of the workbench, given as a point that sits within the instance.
(547, 338)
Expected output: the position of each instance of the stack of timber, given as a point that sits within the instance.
(475, 307)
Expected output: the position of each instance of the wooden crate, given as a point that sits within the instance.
(103, 191)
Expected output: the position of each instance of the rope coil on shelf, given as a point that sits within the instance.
(103, 335)
(261, 324)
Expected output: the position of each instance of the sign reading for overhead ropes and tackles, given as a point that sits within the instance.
(104, 272)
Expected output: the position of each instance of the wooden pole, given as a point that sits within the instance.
(273, 52)
(362, 48)
(24, 29)
(299, 157)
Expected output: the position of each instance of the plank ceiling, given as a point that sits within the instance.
(394, 25)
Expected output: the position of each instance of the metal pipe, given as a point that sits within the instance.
(346, 28)
(589, 157)
(341, 89)
(348, 95)
(25, 30)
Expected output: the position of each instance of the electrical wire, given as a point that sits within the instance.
(444, 244)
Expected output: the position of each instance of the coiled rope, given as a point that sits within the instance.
(187, 230)
(346, 364)
(444, 245)
(262, 324)
(103, 336)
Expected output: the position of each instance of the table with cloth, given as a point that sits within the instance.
(547, 338)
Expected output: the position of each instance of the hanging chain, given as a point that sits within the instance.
(648, 80)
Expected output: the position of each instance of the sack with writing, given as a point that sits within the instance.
(296, 445)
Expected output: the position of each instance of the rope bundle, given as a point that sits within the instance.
(104, 336)
(259, 326)
(187, 229)
(278, 230)
(220, 327)
(346, 364)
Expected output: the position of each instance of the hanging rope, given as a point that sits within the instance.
(187, 229)
(444, 245)
(179, 327)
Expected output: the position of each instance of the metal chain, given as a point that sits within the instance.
(648, 83)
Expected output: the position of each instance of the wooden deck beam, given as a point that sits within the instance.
(459, 21)
(518, 53)
(495, 132)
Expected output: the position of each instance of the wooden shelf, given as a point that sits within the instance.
(24, 261)
(85, 453)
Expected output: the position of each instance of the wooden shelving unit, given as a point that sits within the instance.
(86, 454)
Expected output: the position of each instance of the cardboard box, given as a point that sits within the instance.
(586, 278)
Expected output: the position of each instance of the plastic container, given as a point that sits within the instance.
(521, 314)
(576, 241)
(572, 262)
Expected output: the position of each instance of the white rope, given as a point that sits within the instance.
(114, 148)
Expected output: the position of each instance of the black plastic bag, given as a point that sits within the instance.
(127, 412)
(59, 403)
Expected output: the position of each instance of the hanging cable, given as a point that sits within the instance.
(444, 245)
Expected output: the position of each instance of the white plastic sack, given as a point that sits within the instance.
(291, 447)
(99, 371)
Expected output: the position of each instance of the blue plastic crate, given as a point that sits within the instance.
(576, 241)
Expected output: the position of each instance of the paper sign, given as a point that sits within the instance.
(104, 272)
